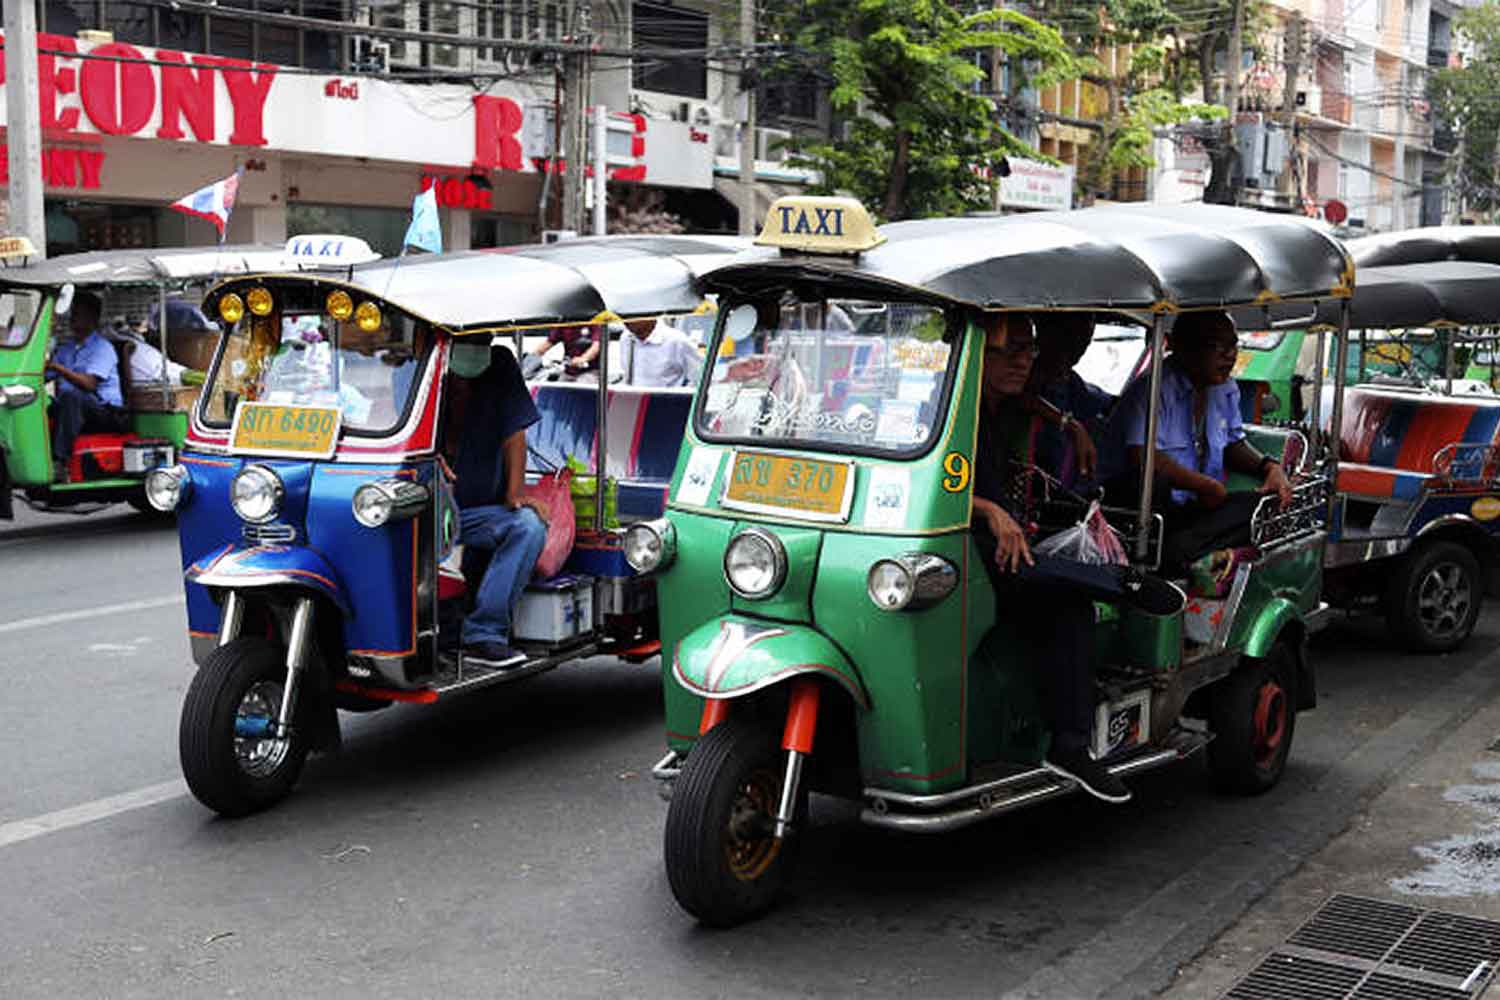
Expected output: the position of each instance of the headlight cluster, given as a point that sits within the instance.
(167, 487)
(910, 582)
(16, 396)
(650, 545)
(386, 500)
(755, 564)
(255, 494)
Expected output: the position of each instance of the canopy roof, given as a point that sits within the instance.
(174, 265)
(1119, 257)
(1400, 296)
(1425, 245)
(568, 282)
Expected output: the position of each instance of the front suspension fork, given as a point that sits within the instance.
(298, 641)
(796, 740)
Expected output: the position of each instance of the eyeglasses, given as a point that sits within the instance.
(1015, 350)
(1224, 348)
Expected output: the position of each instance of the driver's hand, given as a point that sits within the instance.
(1083, 446)
(1278, 483)
(536, 505)
(1010, 549)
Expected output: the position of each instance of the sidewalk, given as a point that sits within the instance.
(1431, 840)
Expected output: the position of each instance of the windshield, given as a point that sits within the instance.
(830, 374)
(18, 311)
(311, 359)
(1113, 356)
(1261, 340)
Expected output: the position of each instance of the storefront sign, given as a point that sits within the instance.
(1033, 184)
(459, 192)
(66, 168)
(344, 90)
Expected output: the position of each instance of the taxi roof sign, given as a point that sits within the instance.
(16, 246)
(819, 225)
(318, 250)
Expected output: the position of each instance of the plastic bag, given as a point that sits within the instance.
(554, 493)
(1091, 540)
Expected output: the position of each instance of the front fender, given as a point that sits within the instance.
(246, 567)
(1267, 627)
(731, 657)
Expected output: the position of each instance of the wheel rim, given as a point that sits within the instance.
(1270, 723)
(1444, 598)
(256, 756)
(749, 847)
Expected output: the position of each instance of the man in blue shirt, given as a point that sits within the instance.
(1199, 439)
(87, 372)
(485, 439)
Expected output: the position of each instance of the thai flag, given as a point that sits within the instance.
(213, 203)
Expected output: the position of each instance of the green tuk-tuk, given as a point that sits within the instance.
(827, 622)
(35, 297)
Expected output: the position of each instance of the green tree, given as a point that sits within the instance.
(1467, 99)
(923, 137)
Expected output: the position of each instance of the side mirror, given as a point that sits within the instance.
(64, 300)
(740, 323)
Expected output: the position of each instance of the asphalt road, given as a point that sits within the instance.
(509, 843)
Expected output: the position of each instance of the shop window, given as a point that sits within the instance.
(75, 226)
(499, 231)
(382, 228)
(791, 97)
(659, 26)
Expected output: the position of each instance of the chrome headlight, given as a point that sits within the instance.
(16, 396)
(387, 500)
(650, 545)
(255, 494)
(167, 487)
(910, 582)
(755, 563)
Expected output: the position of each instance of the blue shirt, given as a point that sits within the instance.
(1197, 448)
(1086, 403)
(499, 405)
(91, 356)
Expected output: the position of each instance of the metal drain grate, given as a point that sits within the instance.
(1368, 949)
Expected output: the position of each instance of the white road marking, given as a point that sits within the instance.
(89, 812)
(85, 613)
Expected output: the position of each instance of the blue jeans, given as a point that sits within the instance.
(516, 538)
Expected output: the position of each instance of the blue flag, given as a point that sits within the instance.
(425, 232)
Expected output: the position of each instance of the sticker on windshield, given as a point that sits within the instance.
(698, 478)
(888, 496)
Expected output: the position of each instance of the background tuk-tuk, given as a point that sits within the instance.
(316, 517)
(1414, 520)
(829, 621)
(136, 286)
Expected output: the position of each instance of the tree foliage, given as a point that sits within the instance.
(923, 135)
(1467, 100)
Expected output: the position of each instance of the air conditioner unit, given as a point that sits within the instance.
(371, 56)
(1310, 100)
(771, 144)
(698, 113)
(558, 235)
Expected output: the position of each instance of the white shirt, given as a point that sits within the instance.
(145, 364)
(666, 358)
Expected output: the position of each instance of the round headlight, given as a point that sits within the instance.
(755, 563)
(255, 494)
(650, 545)
(340, 305)
(367, 317)
(259, 301)
(231, 308)
(890, 585)
(372, 505)
(165, 487)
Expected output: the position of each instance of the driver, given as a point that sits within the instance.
(485, 441)
(87, 372)
(1050, 599)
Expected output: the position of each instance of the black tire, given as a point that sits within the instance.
(723, 864)
(138, 502)
(1253, 713)
(232, 776)
(1434, 597)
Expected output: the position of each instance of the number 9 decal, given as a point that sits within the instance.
(959, 472)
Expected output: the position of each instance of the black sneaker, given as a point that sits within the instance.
(1092, 776)
(492, 654)
(1151, 594)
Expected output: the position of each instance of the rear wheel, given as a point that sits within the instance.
(1254, 716)
(231, 762)
(1434, 597)
(723, 862)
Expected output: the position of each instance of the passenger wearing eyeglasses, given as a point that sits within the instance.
(1199, 440)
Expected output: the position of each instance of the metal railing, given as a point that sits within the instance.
(1272, 525)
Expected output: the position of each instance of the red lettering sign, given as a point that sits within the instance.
(55, 82)
(455, 192)
(186, 93)
(247, 94)
(118, 96)
(496, 122)
(63, 167)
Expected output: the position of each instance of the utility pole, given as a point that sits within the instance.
(575, 130)
(1222, 185)
(24, 125)
(1294, 33)
(747, 128)
(601, 167)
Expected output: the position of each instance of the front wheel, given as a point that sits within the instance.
(1254, 715)
(1434, 597)
(723, 862)
(231, 761)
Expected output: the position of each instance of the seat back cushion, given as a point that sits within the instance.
(1400, 430)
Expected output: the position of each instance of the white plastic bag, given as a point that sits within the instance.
(1091, 540)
